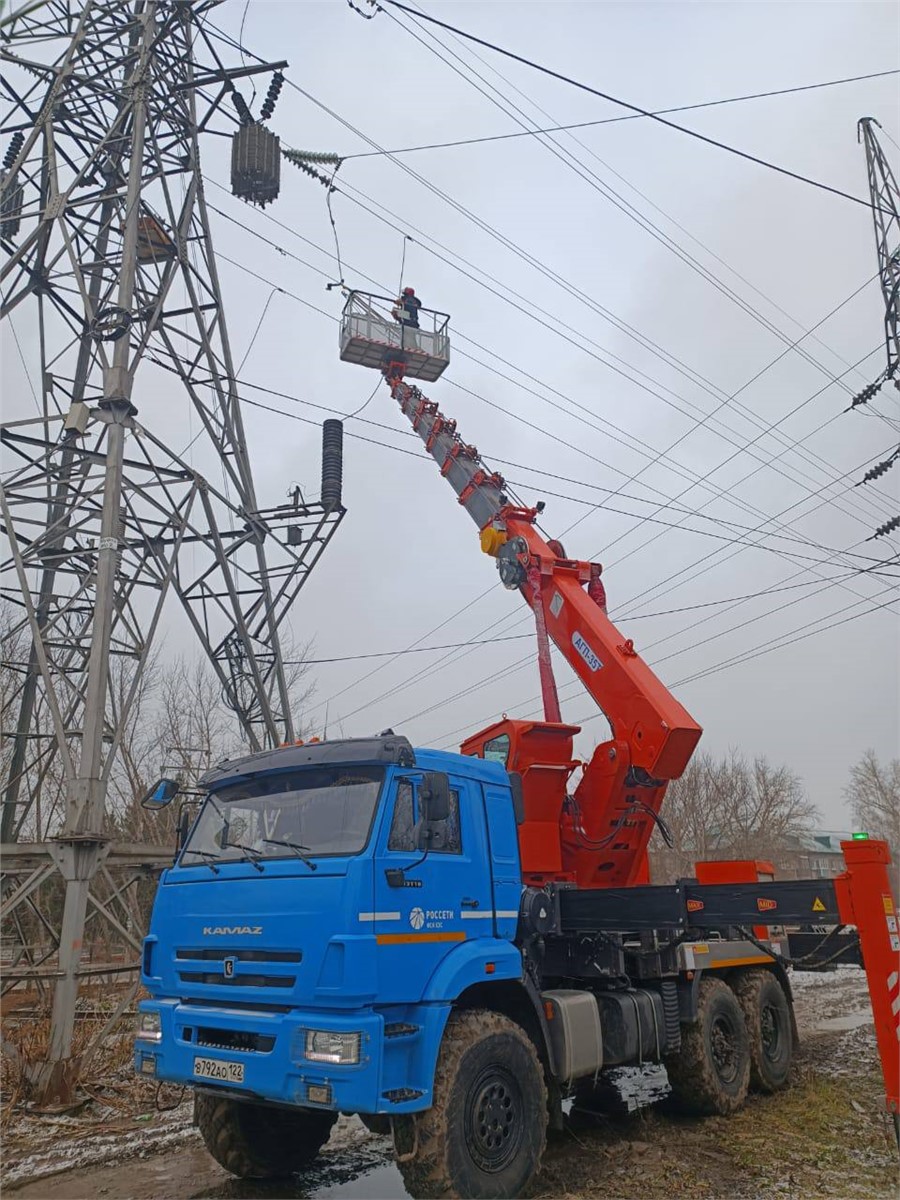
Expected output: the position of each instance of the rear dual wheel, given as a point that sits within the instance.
(710, 1073)
(767, 1014)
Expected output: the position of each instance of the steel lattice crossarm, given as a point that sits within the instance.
(53, 510)
(111, 287)
(885, 197)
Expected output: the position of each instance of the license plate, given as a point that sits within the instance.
(217, 1068)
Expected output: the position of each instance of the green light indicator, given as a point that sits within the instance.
(860, 837)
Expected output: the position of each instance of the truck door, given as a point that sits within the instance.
(444, 899)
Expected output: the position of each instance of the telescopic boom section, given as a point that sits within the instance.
(598, 836)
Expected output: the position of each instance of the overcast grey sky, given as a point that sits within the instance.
(740, 261)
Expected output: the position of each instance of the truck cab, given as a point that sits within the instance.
(320, 919)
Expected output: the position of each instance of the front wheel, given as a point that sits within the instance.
(260, 1141)
(485, 1133)
(710, 1073)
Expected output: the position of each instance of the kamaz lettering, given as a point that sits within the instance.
(231, 930)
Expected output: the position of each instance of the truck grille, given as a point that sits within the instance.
(214, 954)
(243, 1005)
(212, 958)
(235, 1039)
(221, 979)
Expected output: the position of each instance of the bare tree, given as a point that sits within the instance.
(729, 808)
(874, 796)
(692, 811)
(768, 811)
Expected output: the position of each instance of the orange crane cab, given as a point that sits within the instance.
(540, 752)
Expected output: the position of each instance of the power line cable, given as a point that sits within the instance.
(262, 315)
(544, 491)
(517, 637)
(496, 233)
(626, 615)
(420, 178)
(757, 652)
(335, 116)
(753, 652)
(500, 98)
(634, 108)
(780, 644)
(693, 482)
(731, 540)
(617, 430)
(566, 337)
(512, 668)
(503, 137)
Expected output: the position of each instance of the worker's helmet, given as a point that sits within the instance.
(408, 292)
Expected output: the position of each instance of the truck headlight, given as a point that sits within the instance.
(149, 1027)
(339, 1048)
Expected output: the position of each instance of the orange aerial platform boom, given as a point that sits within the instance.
(597, 835)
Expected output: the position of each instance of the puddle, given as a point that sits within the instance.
(844, 1022)
(351, 1175)
(382, 1183)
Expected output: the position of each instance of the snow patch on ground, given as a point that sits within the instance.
(835, 977)
(46, 1145)
(66, 1143)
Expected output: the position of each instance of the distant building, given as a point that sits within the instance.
(812, 855)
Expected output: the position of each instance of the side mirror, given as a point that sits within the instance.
(161, 794)
(434, 798)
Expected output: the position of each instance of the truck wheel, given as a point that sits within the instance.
(485, 1133)
(711, 1072)
(259, 1141)
(377, 1123)
(768, 1017)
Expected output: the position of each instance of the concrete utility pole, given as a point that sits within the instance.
(110, 269)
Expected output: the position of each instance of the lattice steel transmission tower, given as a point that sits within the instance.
(111, 279)
(885, 197)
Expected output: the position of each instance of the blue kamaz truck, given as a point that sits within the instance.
(346, 930)
(453, 945)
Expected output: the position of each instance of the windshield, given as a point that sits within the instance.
(311, 812)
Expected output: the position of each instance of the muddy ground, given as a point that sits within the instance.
(828, 1136)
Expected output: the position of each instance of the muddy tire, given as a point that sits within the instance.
(767, 1013)
(485, 1133)
(258, 1141)
(710, 1074)
(377, 1123)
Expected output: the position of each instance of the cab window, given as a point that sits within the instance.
(404, 826)
(497, 749)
